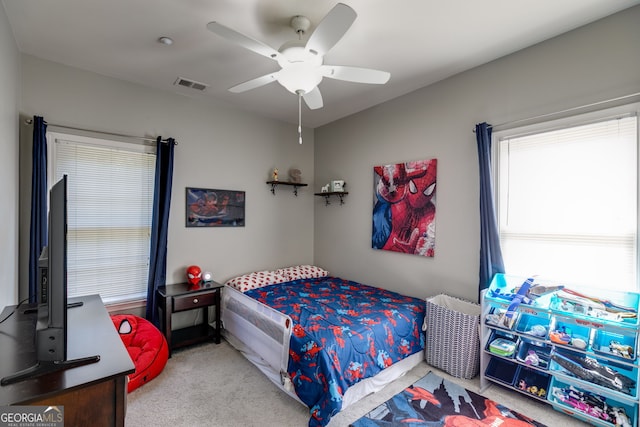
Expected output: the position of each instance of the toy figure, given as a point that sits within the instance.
(621, 418)
(560, 336)
(194, 275)
(621, 350)
(538, 331)
(532, 358)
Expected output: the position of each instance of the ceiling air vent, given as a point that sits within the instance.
(190, 83)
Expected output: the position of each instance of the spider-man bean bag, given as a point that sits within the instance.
(146, 345)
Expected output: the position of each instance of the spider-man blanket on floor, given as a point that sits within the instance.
(433, 401)
(343, 332)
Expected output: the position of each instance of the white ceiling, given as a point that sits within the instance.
(418, 41)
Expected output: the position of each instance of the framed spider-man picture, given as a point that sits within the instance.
(214, 208)
(404, 207)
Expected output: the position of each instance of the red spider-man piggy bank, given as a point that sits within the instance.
(194, 275)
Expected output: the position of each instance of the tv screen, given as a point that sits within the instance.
(51, 326)
(51, 330)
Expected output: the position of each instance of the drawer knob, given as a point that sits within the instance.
(195, 300)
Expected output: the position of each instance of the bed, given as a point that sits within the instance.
(324, 340)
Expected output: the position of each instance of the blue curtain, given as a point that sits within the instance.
(490, 253)
(160, 225)
(38, 227)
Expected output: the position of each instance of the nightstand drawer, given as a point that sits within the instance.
(188, 302)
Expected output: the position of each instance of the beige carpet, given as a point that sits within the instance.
(214, 385)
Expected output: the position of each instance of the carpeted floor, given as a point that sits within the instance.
(214, 385)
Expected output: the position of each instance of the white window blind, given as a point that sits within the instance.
(109, 208)
(567, 203)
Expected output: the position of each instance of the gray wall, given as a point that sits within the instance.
(596, 62)
(9, 103)
(219, 147)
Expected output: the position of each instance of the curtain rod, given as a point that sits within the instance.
(568, 110)
(143, 138)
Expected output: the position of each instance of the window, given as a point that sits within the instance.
(109, 211)
(567, 195)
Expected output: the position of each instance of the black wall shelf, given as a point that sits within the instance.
(295, 186)
(327, 196)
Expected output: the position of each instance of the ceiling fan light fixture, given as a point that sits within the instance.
(301, 63)
(299, 77)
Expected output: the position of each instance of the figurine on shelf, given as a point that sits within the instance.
(295, 175)
(275, 174)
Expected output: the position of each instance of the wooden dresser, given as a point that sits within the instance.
(94, 394)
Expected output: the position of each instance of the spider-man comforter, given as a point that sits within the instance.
(343, 332)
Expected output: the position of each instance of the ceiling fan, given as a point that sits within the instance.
(302, 67)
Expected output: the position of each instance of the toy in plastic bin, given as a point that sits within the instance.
(502, 347)
(497, 318)
(622, 350)
(532, 358)
(560, 336)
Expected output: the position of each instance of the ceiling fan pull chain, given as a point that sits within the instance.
(300, 117)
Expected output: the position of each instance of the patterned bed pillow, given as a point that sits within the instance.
(302, 272)
(256, 280)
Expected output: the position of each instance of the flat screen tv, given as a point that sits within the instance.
(51, 326)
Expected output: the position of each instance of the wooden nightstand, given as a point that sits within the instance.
(182, 297)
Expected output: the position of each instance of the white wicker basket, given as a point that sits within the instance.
(452, 335)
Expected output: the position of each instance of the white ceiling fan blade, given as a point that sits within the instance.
(313, 99)
(244, 41)
(254, 83)
(331, 29)
(355, 74)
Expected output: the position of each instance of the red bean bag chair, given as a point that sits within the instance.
(146, 345)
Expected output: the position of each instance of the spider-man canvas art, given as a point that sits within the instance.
(405, 207)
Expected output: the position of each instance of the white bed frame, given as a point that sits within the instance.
(262, 335)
